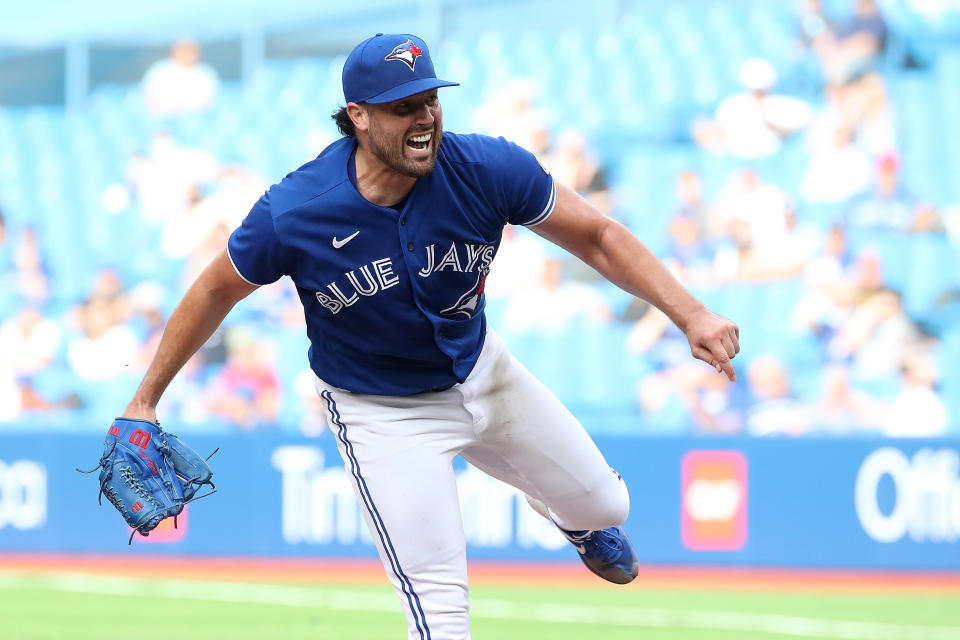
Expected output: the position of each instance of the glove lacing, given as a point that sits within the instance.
(132, 481)
(102, 464)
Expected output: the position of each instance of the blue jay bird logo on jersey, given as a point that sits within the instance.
(407, 53)
(469, 302)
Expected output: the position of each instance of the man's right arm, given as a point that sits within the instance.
(198, 315)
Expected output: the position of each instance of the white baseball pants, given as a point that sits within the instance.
(399, 454)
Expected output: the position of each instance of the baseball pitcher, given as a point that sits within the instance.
(388, 236)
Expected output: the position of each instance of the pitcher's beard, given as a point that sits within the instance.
(392, 153)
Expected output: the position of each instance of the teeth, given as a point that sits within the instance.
(424, 138)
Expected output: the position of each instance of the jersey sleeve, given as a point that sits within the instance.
(255, 248)
(528, 190)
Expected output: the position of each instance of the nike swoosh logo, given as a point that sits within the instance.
(339, 243)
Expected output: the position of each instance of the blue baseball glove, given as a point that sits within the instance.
(149, 474)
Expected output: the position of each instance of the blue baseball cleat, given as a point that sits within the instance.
(606, 552)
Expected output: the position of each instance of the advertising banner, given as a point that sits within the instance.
(856, 503)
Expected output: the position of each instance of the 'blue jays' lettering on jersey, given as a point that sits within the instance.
(393, 300)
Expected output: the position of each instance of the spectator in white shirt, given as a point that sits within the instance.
(181, 83)
(752, 124)
(917, 411)
(28, 341)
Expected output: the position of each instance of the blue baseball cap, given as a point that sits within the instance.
(389, 67)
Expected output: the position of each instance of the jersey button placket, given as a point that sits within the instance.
(410, 246)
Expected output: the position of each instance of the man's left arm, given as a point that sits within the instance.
(611, 249)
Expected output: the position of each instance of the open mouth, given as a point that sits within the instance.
(420, 142)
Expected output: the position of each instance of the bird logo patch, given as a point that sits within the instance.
(407, 53)
(469, 302)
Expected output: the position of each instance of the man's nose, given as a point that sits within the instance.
(425, 115)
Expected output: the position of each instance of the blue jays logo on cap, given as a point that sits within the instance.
(407, 53)
(370, 73)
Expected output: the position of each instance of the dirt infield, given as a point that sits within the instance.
(355, 571)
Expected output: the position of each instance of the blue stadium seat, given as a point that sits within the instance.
(933, 269)
(947, 71)
(606, 373)
(948, 355)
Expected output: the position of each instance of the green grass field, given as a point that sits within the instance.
(78, 606)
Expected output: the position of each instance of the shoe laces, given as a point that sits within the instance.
(608, 544)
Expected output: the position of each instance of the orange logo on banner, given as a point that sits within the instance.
(714, 516)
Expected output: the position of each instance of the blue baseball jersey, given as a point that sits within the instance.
(393, 298)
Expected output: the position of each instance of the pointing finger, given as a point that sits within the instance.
(721, 360)
(717, 359)
(727, 368)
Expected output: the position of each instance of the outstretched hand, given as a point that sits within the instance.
(713, 339)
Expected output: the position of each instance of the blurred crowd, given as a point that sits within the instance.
(845, 352)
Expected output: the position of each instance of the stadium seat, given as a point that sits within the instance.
(948, 355)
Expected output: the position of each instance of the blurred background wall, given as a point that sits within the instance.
(795, 163)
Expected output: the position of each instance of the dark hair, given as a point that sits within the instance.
(344, 123)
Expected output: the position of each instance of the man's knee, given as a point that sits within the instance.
(611, 503)
(606, 505)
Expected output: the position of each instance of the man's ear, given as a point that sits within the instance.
(359, 115)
